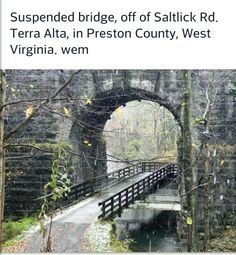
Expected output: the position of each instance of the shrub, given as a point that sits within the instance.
(13, 229)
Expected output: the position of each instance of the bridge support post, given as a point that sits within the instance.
(149, 187)
(120, 208)
(127, 198)
(132, 194)
(143, 195)
(119, 175)
(143, 167)
(112, 206)
(103, 210)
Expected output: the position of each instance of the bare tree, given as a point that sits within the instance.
(2, 164)
(187, 169)
(4, 138)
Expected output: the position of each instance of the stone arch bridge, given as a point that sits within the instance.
(88, 101)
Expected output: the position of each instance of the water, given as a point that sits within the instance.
(150, 230)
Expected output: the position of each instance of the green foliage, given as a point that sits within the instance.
(12, 230)
(120, 245)
(59, 177)
(58, 186)
(115, 244)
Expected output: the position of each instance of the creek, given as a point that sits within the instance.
(149, 230)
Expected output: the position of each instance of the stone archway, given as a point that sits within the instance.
(87, 135)
(107, 88)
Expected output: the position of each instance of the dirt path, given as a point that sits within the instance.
(69, 230)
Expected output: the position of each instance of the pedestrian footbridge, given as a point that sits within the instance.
(133, 186)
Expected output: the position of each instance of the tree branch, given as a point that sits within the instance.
(35, 110)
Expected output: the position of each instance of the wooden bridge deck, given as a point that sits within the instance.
(120, 189)
(87, 211)
(116, 203)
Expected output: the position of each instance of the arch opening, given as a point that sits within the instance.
(140, 131)
(88, 135)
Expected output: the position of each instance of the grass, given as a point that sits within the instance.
(14, 230)
(120, 245)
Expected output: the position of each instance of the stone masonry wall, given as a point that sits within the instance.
(87, 102)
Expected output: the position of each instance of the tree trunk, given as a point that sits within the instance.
(206, 201)
(2, 165)
(187, 158)
(206, 156)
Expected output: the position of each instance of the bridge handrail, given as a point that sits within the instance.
(90, 186)
(120, 174)
(114, 204)
(140, 166)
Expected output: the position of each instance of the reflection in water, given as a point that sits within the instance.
(150, 230)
